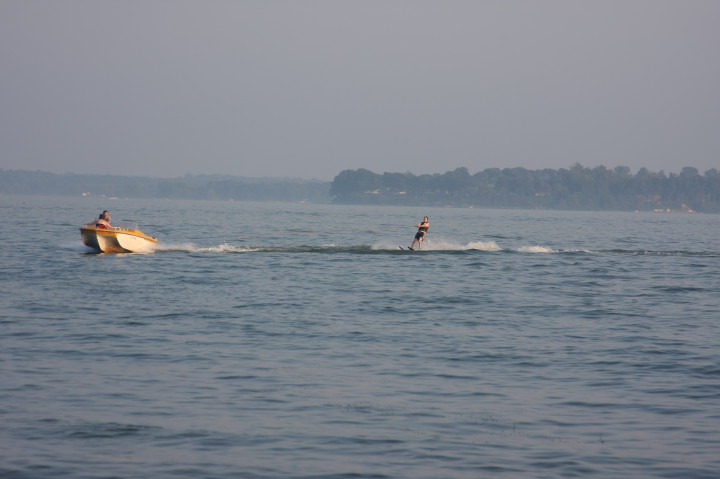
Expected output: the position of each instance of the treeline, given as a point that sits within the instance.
(206, 187)
(576, 188)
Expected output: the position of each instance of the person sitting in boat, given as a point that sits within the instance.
(103, 222)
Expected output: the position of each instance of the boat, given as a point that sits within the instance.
(116, 240)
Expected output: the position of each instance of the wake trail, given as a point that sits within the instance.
(383, 246)
(391, 247)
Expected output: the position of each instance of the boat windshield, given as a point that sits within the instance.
(128, 224)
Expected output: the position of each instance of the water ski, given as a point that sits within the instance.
(408, 248)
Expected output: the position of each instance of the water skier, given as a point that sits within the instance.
(422, 227)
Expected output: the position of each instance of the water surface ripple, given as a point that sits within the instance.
(278, 341)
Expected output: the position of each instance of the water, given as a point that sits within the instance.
(299, 341)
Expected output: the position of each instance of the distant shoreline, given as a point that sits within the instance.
(574, 189)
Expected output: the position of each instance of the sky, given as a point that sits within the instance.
(308, 88)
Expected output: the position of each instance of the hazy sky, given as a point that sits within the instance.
(308, 88)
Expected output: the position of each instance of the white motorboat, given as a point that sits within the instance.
(116, 240)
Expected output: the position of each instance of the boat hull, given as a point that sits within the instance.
(117, 241)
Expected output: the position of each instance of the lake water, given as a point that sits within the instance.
(298, 341)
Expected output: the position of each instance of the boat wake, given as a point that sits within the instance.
(448, 245)
(229, 248)
(713, 254)
(386, 247)
(381, 247)
(536, 249)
